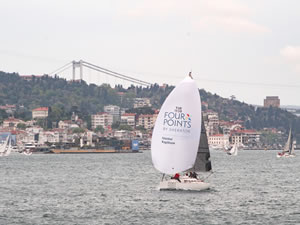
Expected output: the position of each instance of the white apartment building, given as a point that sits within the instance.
(128, 119)
(147, 121)
(113, 110)
(102, 119)
(218, 140)
(41, 112)
(141, 102)
(67, 124)
(244, 137)
(212, 122)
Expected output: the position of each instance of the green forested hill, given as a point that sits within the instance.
(64, 97)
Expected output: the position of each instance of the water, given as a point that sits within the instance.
(252, 188)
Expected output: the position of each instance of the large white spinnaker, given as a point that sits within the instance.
(177, 129)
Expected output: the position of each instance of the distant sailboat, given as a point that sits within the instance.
(179, 142)
(6, 147)
(233, 151)
(289, 148)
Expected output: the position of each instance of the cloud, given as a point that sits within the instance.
(291, 55)
(230, 15)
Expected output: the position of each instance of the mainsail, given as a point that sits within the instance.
(289, 143)
(202, 163)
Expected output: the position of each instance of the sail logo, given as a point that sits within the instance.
(177, 119)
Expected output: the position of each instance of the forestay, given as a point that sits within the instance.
(177, 129)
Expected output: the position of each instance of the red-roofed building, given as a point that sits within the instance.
(41, 112)
(12, 122)
(245, 137)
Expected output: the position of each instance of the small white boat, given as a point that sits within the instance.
(289, 148)
(27, 152)
(233, 151)
(179, 141)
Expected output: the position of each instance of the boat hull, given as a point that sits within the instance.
(285, 156)
(189, 184)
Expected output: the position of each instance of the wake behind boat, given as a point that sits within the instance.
(179, 141)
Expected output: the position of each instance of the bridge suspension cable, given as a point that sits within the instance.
(115, 74)
(94, 67)
(61, 69)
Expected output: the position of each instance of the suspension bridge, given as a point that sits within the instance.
(81, 64)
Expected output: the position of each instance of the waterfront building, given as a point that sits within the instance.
(218, 140)
(102, 119)
(128, 119)
(41, 112)
(141, 102)
(273, 101)
(245, 137)
(114, 111)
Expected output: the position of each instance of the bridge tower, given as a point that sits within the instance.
(76, 64)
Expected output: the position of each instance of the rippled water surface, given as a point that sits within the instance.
(252, 188)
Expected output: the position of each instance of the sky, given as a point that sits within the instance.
(246, 48)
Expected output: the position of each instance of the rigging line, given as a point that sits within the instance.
(208, 175)
(146, 83)
(250, 83)
(59, 68)
(133, 81)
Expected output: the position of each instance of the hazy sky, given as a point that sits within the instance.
(246, 48)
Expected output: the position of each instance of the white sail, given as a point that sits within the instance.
(235, 150)
(293, 149)
(287, 146)
(8, 148)
(3, 147)
(177, 129)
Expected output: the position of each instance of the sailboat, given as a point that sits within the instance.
(179, 141)
(233, 151)
(6, 147)
(289, 148)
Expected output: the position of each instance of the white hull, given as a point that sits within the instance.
(285, 156)
(187, 184)
(27, 153)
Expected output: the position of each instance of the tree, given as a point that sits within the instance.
(21, 126)
(125, 127)
(99, 129)
(78, 130)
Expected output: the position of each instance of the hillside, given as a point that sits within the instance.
(65, 97)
